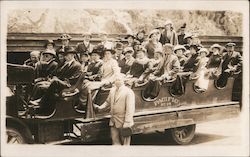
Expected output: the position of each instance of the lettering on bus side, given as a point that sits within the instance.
(167, 101)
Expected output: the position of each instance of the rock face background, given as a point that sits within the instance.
(121, 21)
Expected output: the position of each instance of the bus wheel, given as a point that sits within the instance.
(181, 135)
(14, 136)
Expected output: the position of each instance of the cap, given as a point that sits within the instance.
(230, 44)
(216, 46)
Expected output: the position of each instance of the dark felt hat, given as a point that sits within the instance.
(69, 49)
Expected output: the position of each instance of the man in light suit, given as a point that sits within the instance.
(121, 101)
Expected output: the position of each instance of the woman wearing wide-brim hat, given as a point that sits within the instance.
(49, 44)
(179, 50)
(64, 38)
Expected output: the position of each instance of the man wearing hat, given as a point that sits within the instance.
(47, 65)
(66, 76)
(169, 35)
(191, 64)
(181, 39)
(172, 64)
(188, 38)
(127, 61)
(85, 46)
(130, 40)
(232, 64)
(105, 42)
(45, 69)
(153, 43)
(215, 58)
(118, 52)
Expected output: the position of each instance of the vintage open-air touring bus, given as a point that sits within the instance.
(175, 114)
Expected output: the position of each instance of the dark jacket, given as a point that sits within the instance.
(191, 64)
(181, 39)
(70, 72)
(45, 70)
(164, 38)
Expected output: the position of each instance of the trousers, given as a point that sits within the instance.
(117, 139)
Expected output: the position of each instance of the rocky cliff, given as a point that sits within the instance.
(121, 21)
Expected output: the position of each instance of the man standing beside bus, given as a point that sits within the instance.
(121, 101)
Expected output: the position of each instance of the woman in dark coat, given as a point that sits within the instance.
(169, 35)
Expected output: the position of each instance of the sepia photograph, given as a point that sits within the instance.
(124, 78)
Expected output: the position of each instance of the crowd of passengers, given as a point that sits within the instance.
(160, 56)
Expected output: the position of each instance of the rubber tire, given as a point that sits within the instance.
(176, 140)
(16, 132)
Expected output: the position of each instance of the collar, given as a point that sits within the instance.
(70, 62)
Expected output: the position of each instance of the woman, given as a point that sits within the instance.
(153, 43)
(109, 69)
(140, 36)
(202, 82)
(139, 66)
(169, 35)
(179, 51)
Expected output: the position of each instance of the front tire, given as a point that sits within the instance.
(14, 136)
(182, 135)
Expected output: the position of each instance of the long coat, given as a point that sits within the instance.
(172, 40)
(172, 64)
(45, 70)
(69, 72)
(122, 106)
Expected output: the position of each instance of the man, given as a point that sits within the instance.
(121, 101)
(49, 45)
(181, 39)
(232, 64)
(66, 76)
(45, 69)
(34, 58)
(172, 64)
(105, 42)
(85, 46)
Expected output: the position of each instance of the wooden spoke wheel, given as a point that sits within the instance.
(14, 136)
(182, 135)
